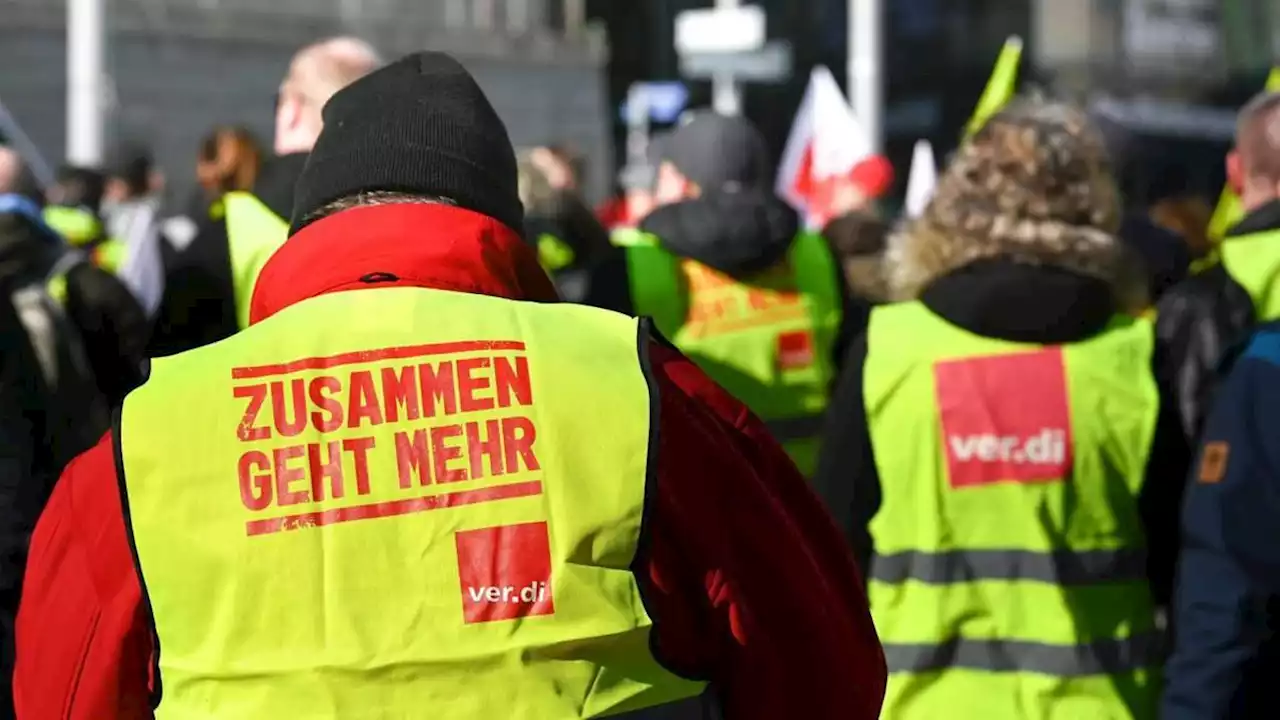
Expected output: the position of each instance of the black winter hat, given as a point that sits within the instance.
(420, 125)
(719, 152)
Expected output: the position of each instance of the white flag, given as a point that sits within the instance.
(825, 144)
(142, 269)
(922, 180)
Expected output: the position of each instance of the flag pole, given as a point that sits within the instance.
(866, 67)
(86, 74)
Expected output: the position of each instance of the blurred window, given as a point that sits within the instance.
(455, 14)
(482, 12)
(517, 16)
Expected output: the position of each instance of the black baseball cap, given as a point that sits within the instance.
(720, 153)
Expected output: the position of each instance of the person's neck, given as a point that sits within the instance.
(1255, 204)
(293, 144)
(1257, 194)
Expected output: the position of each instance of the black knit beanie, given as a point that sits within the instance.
(422, 126)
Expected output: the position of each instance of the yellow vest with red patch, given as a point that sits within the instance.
(770, 342)
(399, 503)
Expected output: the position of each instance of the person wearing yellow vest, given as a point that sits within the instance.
(729, 276)
(418, 485)
(1001, 450)
(60, 246)
(564, 231)
(74, 212)
(209, 284)
(1207, 314)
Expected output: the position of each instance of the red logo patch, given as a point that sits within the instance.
(1005, 418)
(505, 572)
(795, 350)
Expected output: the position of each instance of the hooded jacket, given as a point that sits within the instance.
(1199, 321)
(738, 234)
(1051, 288)
(1228, 655)
(199, 304)
(746, 577)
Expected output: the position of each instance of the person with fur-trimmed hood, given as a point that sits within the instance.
(1000, 449)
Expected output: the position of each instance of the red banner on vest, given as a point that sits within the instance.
(1005, 418)
(505, 572)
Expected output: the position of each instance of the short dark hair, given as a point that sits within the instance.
(1258, 136)
(371, 198)
(857, 234)
(132, 163)
(82, 187)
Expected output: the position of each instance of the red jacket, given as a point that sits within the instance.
(750, 583)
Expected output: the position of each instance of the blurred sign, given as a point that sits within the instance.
(1164, 30)
(771, 63)
(1153, 117)
(720, 30)
(636, 177)
(660, 101)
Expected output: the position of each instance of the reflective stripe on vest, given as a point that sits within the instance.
(254, 233)
(1254, 262)
(1010, 553)
(1103, 657)
(1063, 567)
(769, 342)
(383, 500)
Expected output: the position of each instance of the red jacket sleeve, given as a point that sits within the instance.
(750, 583)
(83, 641)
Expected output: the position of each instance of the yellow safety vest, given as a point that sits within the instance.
(254, 233)
(629, 237)
(83, 230)
(554, 254)
(1254, 262)
(769, 342)
(399, 503)
(1009, 580)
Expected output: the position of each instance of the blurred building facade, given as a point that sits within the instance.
(938, 54)
(177, 67)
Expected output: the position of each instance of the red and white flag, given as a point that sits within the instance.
(826, 145)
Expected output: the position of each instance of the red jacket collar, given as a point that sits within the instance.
(429, 246)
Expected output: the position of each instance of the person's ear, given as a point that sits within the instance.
(288, 111)
(1235, 172)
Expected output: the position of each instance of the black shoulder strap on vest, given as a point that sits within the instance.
(48, 326)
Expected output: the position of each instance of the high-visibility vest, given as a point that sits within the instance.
(769, 342)
(254, 233)
(1009, 577)
(395, 502)
(82, 229)
(78, 226)
(109, 254)
(554, 254)
(1254, 262)
(627, 237)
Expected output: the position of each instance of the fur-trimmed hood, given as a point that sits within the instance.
(1033, 186)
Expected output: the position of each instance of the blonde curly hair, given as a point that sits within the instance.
(1034, 185)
